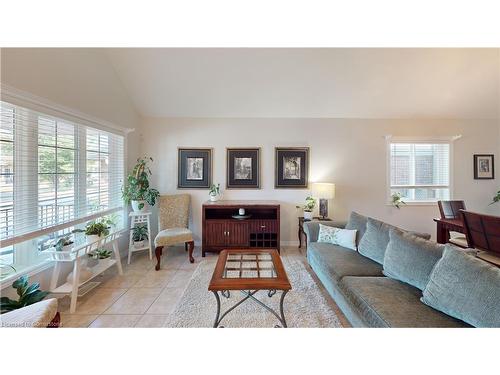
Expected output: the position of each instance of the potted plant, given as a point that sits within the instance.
(95, 230)
(397, 200)
(214, 192)
(136, 190)
(28, 295)
(496, 198)
(64, 243)
(139, 235)
(308, 208)
(100, 253)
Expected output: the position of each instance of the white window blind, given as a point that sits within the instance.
(54, 173)
(420, 171)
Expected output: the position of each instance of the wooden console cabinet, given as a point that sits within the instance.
(221, 231)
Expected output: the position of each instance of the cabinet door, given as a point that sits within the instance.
(215, 232)
(237, 234)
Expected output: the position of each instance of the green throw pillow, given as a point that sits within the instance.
(466, 288)
(410, 259)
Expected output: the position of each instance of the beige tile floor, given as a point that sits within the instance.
(143, 297)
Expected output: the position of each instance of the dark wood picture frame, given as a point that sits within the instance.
(301, 179)
(253, 170)
(205, 177)
(477, 169)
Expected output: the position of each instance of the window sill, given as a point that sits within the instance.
(415, 203)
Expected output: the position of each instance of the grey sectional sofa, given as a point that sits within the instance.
(357, 284)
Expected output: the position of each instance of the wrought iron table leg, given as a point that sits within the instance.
(216, 323)
(281, 308)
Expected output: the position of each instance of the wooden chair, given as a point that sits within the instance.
(483, 233)
(451, 210)
(173, 218)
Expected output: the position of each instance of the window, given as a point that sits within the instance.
(54, 174)
(420, 172)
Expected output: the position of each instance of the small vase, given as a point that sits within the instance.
(138, 206)
(308, 215)
(214, 198)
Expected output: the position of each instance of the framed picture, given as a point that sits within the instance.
(291, 168)
(194, 168)
(243, 168)
(484, 168)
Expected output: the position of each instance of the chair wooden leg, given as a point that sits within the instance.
(186, 246)
(190, 245)
(158, 253)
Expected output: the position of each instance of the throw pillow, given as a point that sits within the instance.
(336, 236)
(357, 222)
(410, 259)
(465, 287)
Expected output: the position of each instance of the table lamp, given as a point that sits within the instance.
(323, 191)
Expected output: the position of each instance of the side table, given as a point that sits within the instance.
(301, 227)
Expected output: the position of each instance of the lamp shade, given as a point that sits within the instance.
(323, 190)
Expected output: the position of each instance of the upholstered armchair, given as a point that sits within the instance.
(173, 218)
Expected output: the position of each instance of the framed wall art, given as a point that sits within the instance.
(194, 169)
(291, 168)
(243, 168)
(484, 168)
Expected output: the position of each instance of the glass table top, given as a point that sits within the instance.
(243, 266)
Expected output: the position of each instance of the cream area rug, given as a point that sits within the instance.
(304, 306)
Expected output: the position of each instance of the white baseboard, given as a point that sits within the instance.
(289, 243)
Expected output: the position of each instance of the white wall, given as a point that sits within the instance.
(350, 153)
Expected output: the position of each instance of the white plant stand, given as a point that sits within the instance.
(140, 218)
(76, 256)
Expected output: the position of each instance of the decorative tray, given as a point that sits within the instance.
(241, 217)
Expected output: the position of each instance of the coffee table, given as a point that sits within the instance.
(249, 271)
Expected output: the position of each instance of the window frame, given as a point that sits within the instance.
(424, 140)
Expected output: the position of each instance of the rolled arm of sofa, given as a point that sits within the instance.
(311, 228)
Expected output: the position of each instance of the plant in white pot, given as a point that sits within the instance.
(136, 190)
(214, 192)
(95, 230)
(308, 208)
(64, 243)
(139, 235)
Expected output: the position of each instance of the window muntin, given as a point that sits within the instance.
(420, 172)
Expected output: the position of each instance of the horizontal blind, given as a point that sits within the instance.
(420, 171)
(53, 172)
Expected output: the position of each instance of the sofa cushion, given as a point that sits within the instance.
(375, 240)
(465, 287)
(337, 236)
(410, 259)
(384, 302)
(357, 222)
(337, 261)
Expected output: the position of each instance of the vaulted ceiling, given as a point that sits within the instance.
(337, 83)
